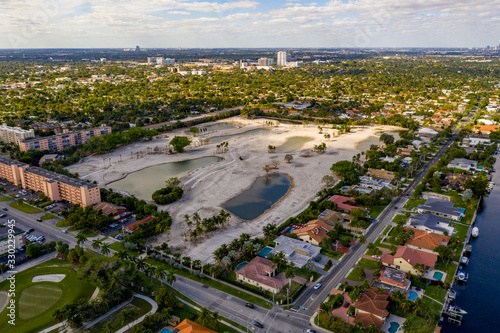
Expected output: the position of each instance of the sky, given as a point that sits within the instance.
(248, 23)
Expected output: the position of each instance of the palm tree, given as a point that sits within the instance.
(170, 278)
(205, 316)
(188, 220)
(290, 274)
(122, 254)
(96, 244)
(107, 327)
(80, 239)
(160, 273)
(149, 271)
(406, 304)
(105, 249)
(215, 320)
(397, 296)
(279, 259)
(418, 306)
(58, 315)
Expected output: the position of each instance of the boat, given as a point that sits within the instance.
(456, 309)
(464, 260)
(462, 276)
(452, 295)
(475, 232)
(468, 249)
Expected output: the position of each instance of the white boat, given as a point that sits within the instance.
(475, 232)
(456, 309)
(462, 276)
(464, 260)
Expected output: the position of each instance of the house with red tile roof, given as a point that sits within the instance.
(260, 272)
(313, 231)
(340, 201)
(188, 326)
(394, 278)
(485, 129)
(405, 259)
(133, 227)
(371, 308)
(426, 241)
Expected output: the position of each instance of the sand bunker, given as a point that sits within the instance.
(49, 278)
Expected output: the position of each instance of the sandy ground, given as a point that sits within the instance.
(49, 277)
(207, 189)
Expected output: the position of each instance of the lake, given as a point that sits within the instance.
(293, 143)
(144, 182)
(263, 193)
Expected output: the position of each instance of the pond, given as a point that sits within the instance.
(215, 127)
(219, 139)
(144, 182)
(293, 143)
(263, 193)
(375, 140)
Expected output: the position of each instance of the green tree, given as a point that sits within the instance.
(179, 143)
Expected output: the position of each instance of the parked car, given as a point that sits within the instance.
(30, 230)
(250, 305)
(317, 286)
(310, 331)
(259, 325)
(3, 215)
(39, 219)
(65, 231)
(346, 304)
(5, 208)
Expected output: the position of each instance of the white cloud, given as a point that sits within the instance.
(178, 12)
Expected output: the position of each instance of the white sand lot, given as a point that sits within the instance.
(207, 189)
(49, 278)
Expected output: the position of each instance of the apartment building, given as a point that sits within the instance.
(59, 142)
(54, 185)
(15, 134)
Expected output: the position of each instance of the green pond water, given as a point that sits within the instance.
(219, 139)
(293, 143)
(263, 193)
(144, 182)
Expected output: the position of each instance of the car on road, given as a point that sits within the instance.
(259, 325)
(250, 305)
(30, 230)
(3, 215)
(346, 304)
(39, 219)
(317, 286)
(65, 231)
(395, 207)
(119, 237)
(112, 225)
(5, 208)
(310, 331)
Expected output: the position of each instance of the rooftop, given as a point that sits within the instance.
(427, 240)
(340, 199)
(373, 302)
(260, 270)
(4, 232)
(316, 229)
(295, 250)
(54, 176)
(10, 161)
(411, 256)
(440, 206)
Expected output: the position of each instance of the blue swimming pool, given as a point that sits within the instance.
(438, 276)
(290, 230)
(166, 330)
(265, 251)
(394, 327)
(412, 295)
(241, 265)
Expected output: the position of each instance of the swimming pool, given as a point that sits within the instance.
(290, 230)
(437, 276)
(241, 265)
(412, 295)
(394, 327)
(166, 330)
(265, 251)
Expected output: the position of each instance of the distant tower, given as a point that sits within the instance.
(137, 48)
(282, 58)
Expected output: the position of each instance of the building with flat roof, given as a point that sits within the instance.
(59, 142)
(282, 58)
(54, 185)
(296, 251)
(441, 208)
(15, 134)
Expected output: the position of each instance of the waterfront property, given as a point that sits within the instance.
(54, 185)
(371, 308)
(410, 260)
(430, 223)
(109, 209)
(334, 217)
(296, 251)
(313, 232)
(131, 228)
(392, 279)
(442, 208)
(426, 241)
(260, 272)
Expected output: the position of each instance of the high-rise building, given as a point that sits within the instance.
(282, 58)
(137, 48)
(265, 62)
(14, 134)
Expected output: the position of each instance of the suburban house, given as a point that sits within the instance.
(340, 201)
(371, 308)
(109, 209)
(485, 129)
(426, 241)
(430, 223)
(357, 188)
(334, 217)
(406, 260)
(188, 326)
(463, 164)
(260, 272)
(374, 183)
(381, 173)
(133, 227)
(296, 251)
(441, 208)
(455, 181)
(475, 139)
(392, 279)
(313, 231)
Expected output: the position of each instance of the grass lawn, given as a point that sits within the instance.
(332, 253)
(413, 203)
(386, 230)
(141, 306)
(461, 230)
(451, 268)
(36, 301)
(47, 216)
(353, 276)
(19, 205)
(119, 247)
(433, 306)
(378, 243)
(376, 210)
(368, 264)
(436, 293)
(399, 218)
(8, 198)
(87, 233)
(63, 223)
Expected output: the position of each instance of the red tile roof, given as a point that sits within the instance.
(259, 270)
(426, 240)
(188, 326)
(412, 256)
(373, 302)
(316, 229)
(340, 199)
(132, 227)
(367, 319)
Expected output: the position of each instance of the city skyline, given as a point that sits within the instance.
(244, 23)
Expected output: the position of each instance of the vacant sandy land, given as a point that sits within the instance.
(49, 278)
(207, 189)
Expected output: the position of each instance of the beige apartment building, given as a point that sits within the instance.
(15, 134)
(59, 142)
(54, 185)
